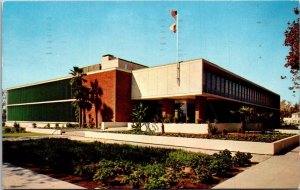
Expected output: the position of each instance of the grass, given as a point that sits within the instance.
(27, 134)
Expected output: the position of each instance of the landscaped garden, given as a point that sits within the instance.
(253, 137)
(17, 131)
(123, 166)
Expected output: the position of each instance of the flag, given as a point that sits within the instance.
(174, 14)
(173, 26)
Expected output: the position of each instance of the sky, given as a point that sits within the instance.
(44, 40)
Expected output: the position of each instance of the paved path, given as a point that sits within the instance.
(19, 178)
(277, 172)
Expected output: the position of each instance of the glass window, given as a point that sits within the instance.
(213, 81)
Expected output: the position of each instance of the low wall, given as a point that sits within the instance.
(39, 124)
(175, 127)
(106, 125)
(234, 127)
(45, 131)
(288, 131)
(284, 144)
(211, 144)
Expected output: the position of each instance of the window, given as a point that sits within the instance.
(218, 86)
(208, 81)
(213, 82)
(222, 85)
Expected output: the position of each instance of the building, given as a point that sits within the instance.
(193, 92)
(294, 120)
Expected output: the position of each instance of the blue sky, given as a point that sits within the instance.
(43, 40)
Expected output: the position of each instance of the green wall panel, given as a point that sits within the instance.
(52, 112)
(58, 90)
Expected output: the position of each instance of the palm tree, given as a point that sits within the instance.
(81, 93)
(96, 93)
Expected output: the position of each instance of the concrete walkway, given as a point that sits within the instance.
(19, 178)
(277, 172)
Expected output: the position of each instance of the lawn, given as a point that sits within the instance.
(26, 134)
(123, 166)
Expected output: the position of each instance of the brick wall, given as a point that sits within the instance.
(124, 103)
(116, 104)
(107, 82)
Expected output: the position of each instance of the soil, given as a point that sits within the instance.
(185, 183)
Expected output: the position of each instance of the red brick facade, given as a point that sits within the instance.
(124, 103)
(116, 104)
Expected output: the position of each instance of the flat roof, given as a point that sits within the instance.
(213, 65)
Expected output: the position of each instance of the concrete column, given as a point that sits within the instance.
(200, 109)
(168, 109)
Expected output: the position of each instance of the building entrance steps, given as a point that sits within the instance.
(19, 178)
(277, 172)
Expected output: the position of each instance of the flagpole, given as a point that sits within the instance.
(177, 41)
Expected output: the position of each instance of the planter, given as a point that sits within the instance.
(191, 128)
(211, 144)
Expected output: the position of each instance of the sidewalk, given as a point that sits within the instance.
(280, 171)
(14, 177)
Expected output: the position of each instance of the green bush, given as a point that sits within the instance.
(47, 126)
(34, 125)
(16, 127)
(108, 170)
(157, 183)
(136, 179)
(87, 171)
(241, 159)
(221, 163)
(212, 129)
(57, 126)
(203, 174)
(179, 159)
(9, 130)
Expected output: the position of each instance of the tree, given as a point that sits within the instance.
(81, 94)
(4, 94)
(292, 59)
(138, 116)
(287, 108)
(245, 114)
(95, 97)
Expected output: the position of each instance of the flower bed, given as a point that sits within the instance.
(203, 143)
(125, 166)
(254, 137)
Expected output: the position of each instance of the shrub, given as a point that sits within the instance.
(203, 174)
(212, 129)
(224, 132)
(57, 126)
(108, 170)
(157, 183)
(136, 179)
(69, 125)
(179, 159)
(221, 162)
(47, 126)
(241, 159)
(34, 125)
(138, 116)
(151, 175)
(16, 127)
(8, 130)
(87, 171)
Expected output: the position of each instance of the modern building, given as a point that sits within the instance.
(294, 120)
(192, 91)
